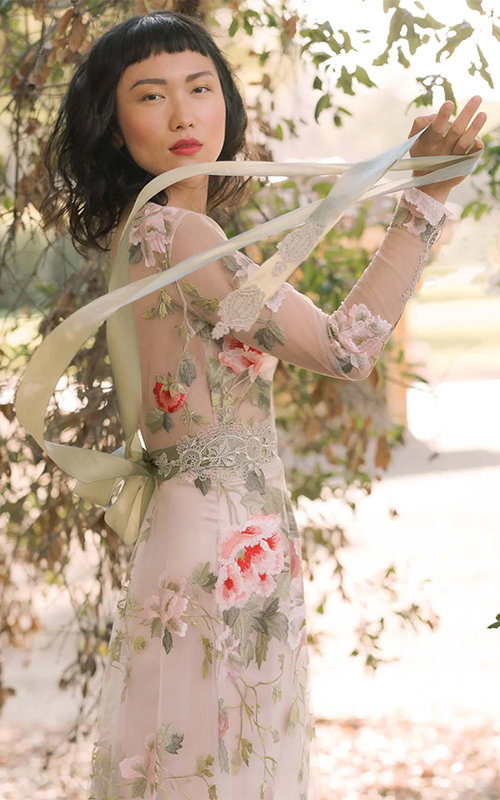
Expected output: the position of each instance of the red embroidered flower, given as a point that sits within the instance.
(239, 356)
(167, 401)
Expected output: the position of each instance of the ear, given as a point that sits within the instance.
(117, 139)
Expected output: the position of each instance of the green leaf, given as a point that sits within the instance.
(255, 481)
(156, 627)
(167, 641)
(362, 76)
(212, 792)
(261, 646)
(246, 749)
(483, 69)
(449, 94)
(317, 83)
(135, 253)
(154, 420)
(203, 484)
(167, 422)
(429, 22)
(476, 5)
(344, 82)
(223, 756)
(496, 32)
(187, 371)
(139, 787)
(253, 502)
(461, 32)
(388, 4)
(382, 59)
(278, 626)
(402, 58)
(233, 27)
(323, 102)
(175, 743)
(276, 331)
(200, 573)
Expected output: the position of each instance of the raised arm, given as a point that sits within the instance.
(345, 344)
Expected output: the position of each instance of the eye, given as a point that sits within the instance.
(202, 87)
(152, 94)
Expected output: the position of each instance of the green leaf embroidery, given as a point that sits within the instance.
(154, 420)
(175, 743)
(261, 646)
(156, 627)
(268, 336)
(167, 641)
(209, 305)
(168, 422)
(135, 253)
(255, 481)
(139, 787)
(164, 306)
(253, 501)
(223, 756)
(246, 749)
(187, 370)
(203, 484)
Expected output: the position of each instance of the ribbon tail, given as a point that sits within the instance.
(127, 513)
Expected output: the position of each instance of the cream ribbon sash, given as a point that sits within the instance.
(98, 473)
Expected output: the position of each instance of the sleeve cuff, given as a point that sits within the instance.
(427, 207)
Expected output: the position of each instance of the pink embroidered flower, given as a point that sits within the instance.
(167, 401)
(169, 604)
(239, 357)
(230, 589)
(249, 556)
(359, 336)
(142, 766)
(223, 724)
(151, 232)
(228, 645)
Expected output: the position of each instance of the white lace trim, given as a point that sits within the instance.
(225, 450)
(431, 208)
(297, 245)
(239, 310)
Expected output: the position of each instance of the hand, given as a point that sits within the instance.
(443, 139)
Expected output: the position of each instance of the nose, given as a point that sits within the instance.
(181, 117)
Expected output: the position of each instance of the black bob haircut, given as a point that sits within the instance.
(90, 179)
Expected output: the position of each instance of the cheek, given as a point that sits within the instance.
(217, 120)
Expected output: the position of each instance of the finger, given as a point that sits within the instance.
(442, 119)
(419, 124)
(468, 137)
(459, 126)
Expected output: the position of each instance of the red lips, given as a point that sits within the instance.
(185, 143)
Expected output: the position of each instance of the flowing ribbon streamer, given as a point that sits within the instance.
(98, 474)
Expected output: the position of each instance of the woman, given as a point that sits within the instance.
(206, 690)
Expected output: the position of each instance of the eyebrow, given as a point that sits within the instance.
(192, 77)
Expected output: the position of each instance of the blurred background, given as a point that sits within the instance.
(400, 525)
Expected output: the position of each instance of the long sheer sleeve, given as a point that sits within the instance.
(345, 344)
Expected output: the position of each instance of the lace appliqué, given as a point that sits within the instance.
(243, 267)
(358, 337)
(238, 310)
(226, 450)
(297, 245)
(429, 227)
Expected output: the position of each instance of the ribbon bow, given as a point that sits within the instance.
(98, 474)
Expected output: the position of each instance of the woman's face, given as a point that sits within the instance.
(167, 98)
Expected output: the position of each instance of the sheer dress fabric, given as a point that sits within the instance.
(206, 691)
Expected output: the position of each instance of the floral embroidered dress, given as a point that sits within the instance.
(206, 692)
